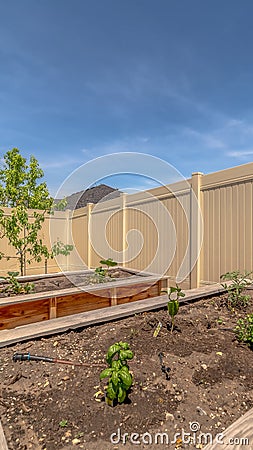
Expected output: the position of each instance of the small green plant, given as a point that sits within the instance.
(79, 434)
(236, 298)
(63, 423)
(174, 293)
(14, 287)
(28, 288)
(102, 272)
(120, 379)
(59, 248)
(108, 262)
(220, 321)
(244, 330)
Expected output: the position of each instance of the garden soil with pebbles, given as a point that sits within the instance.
(55, 283)
(54, 407)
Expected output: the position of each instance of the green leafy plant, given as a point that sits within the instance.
(244, 330)
(63, 423)
(108, 262)
(220, 321)
(102, 272)
(120, 379)
(13, 285)
(59, 205)
(174, 293)
(29, 201)
(59, 248)
(239, 283)
(28, 288)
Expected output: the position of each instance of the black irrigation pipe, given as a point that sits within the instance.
(28, 357)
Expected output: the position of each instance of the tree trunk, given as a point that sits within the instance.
(21, 261)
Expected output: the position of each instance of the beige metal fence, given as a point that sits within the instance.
(11, 263)
(162, 230)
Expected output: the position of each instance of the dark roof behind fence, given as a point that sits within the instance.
(91, 195)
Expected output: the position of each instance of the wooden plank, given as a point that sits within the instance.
(79, 303)
(128, 291)
(59, 325)
(114, 300)
(65, 292)
(237, 436)
(12, 316)
(79, 272)
(139, 294)
(31, 308)
(162, 285)
(52, 308)
(3, 443)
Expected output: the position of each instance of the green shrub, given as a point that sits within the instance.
(244, 330)
(14, 287)
(236, 298)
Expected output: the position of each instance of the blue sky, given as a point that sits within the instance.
(81, 79)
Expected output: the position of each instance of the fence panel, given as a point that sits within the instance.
(159, 230)
(227, 213)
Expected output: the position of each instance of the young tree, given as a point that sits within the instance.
(29, 201)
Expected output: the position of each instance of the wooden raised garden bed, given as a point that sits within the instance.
(190, 388)
(81, 297)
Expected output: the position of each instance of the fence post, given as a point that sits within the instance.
(68, 235)
(195, 229)
(124, 218)
(89, 247)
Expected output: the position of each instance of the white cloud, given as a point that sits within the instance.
(208, 139)
(242, 126)
(62, 162)
(126, 144)
(239, 154)
(85, 150)
(144, 139)
(144, 185)
(234, 123)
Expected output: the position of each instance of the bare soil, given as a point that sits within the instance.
(206, 383)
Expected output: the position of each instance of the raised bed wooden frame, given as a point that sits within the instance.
(241, 428)
(24, 309)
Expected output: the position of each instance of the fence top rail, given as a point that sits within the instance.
(226, 177)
